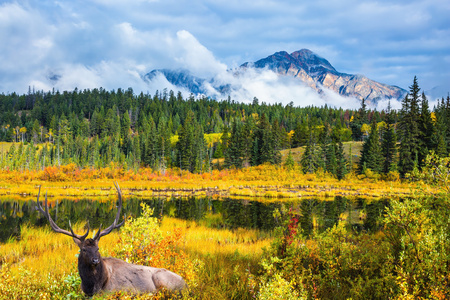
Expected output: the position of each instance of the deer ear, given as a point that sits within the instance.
(78, 242)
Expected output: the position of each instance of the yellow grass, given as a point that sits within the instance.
(297, 153)
(48, 258)
(265, 181)
(4, 147)
(209, 241)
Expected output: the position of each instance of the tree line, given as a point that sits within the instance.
(97, 128)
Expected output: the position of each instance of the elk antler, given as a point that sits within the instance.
(114, 225)
(55, 227)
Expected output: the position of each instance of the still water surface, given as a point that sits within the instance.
(313, 214)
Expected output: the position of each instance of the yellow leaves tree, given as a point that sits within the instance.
(365, 129)
(50, 135)
(22, 131)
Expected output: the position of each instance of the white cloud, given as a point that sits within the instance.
(195, 57)
(269, 87)
(111, 43)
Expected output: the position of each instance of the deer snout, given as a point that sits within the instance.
(95, 261)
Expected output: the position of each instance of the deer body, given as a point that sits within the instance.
(111, 274)
(137, 278)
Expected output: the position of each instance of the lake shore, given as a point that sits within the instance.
(264, 183)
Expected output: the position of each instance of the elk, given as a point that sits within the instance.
(111, 274)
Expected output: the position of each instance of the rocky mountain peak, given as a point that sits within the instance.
(318, 73)
(311, 61)
(303, 65)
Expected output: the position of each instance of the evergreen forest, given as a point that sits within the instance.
(98, 128)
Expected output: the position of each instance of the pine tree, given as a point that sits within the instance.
(278, 135)
(263, 142)
(289, 163)
(248, 138)
(409, 130)
(427, 131)
(447, 122)
(441, 129)
(341, 162)
(371, 156)
(266, 143)
(191, 145)
(358, 121)
(234, 153)
(151, 144)
(311, 159)
(331, 160)
(389, 144)
(224, 141)
(300, 136)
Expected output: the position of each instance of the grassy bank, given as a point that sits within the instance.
(263, 182)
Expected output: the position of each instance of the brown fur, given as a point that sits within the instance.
(112, 274)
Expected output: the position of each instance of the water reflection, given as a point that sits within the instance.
(314, 215)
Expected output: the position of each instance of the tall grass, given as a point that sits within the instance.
(42, 264)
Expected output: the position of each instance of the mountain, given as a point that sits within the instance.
(318, 73)
(303, 65)
(179, 78)
(437, 93)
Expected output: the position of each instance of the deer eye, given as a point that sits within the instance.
(84, 250)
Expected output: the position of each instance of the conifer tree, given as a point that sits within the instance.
(311, 159)
(300, 134)
(151, 155)
(185, 146)
(266, 143)
(409, 130)
(234, 153)
(389, 144)
(224, 141)
(441, 129)
(289, 163)
(427, 131)
(447, 122)
(341, 162)
(249, 128)
(163, 144)
(331, 161)
(371, 156)
(278, 136)
(358, 121)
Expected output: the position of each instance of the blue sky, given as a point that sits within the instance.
(111, 43)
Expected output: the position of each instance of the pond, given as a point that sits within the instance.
(314, 214)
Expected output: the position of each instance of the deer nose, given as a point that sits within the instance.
(95, 261)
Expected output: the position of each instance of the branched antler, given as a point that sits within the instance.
(53, 225)
(114, 225)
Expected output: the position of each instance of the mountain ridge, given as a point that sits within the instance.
(317, 72)
(303, 65)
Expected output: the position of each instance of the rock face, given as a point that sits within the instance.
(304, 65)
(318, 73)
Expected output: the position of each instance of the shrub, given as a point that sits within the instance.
(335, 262)
(142, 242)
